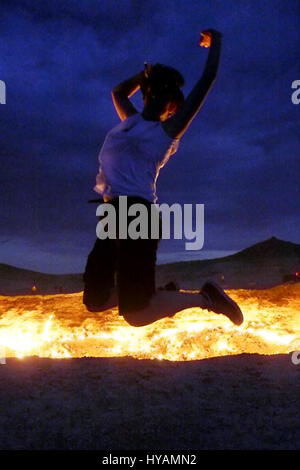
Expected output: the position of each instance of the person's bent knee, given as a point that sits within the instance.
(94, 307)
(133, 319)
(94, 299)
(132, 310)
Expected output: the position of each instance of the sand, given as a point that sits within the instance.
(234, 402)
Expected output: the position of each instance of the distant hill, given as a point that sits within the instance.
(20, 281)
(260, 266)
(271, 248)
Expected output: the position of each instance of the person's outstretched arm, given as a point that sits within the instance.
(176, 125)
(121, 94)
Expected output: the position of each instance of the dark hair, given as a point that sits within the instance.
(162, 79)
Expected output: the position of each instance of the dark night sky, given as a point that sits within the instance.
(60, 59)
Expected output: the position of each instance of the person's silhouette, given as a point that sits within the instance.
(122, 271)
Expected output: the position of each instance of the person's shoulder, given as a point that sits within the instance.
(125, 124)
(134, 116)
(168, 135)
(131, 121)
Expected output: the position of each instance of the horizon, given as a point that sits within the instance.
(166, 258)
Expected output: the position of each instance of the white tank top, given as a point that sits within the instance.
(132, 154)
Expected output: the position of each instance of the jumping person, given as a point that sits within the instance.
(121, 272)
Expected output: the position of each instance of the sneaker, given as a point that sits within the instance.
(219, 302)
(91, 299)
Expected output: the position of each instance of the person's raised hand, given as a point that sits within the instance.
(207, 36)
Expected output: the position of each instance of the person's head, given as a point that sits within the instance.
(161, 91)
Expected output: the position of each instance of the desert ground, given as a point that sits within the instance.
(234, 402)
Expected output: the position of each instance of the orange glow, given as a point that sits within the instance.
(58, 326)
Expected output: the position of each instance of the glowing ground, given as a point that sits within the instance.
(58, 326)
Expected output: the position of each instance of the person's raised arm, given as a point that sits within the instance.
(176, 125)
(121, 94)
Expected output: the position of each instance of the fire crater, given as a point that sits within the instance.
(58, 326)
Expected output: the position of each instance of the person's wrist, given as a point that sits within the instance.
(216, 37)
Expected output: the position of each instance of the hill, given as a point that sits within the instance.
(262, 265)
(14, 281)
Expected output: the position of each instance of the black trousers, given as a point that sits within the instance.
(127, 264)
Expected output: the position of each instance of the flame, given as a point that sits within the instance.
(58, 326)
